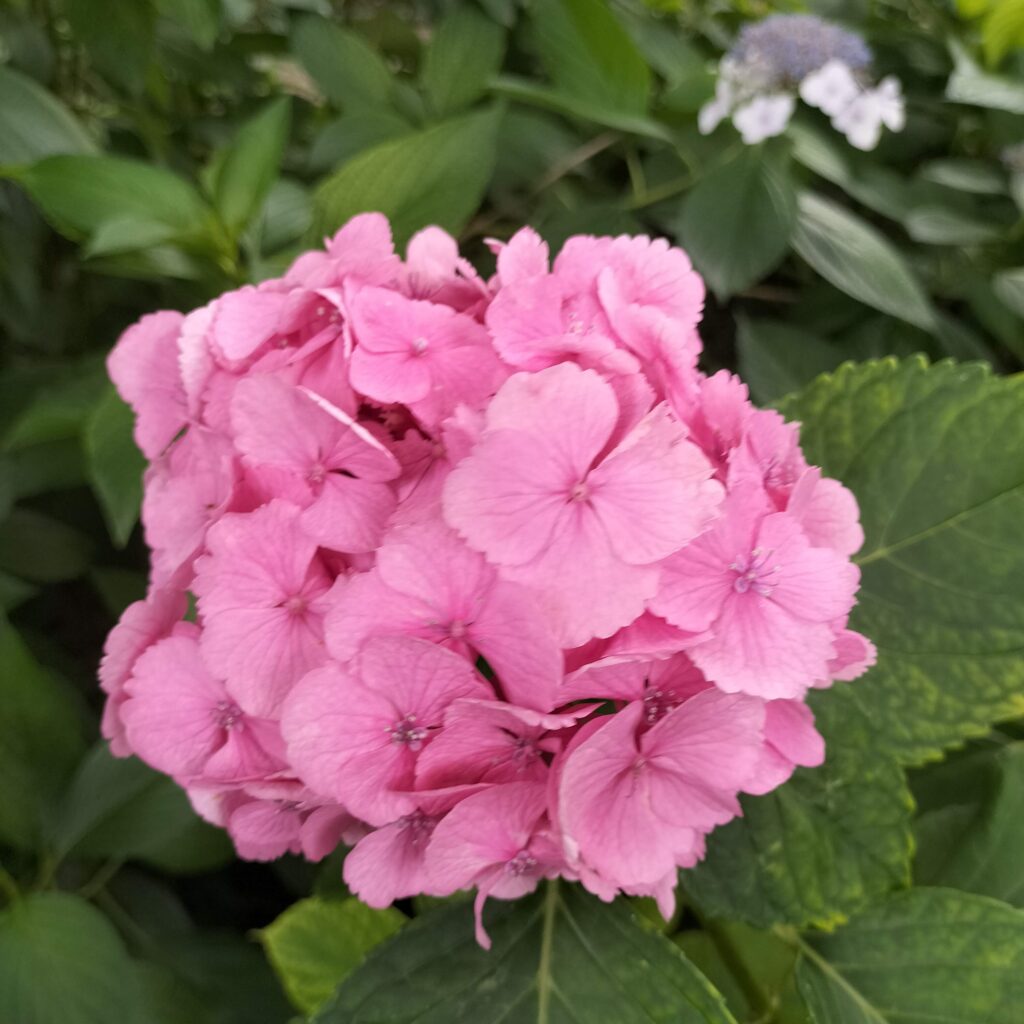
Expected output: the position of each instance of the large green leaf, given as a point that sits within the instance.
(34, 124)
(926, 956)
(974, 838)
(935, 457)
(316, 943)
(115, 465)
(558, 957)
(856, 258)
(589, 54)
(436, 176)
(969, 84)
(464, 53)
(81, 193)
(61, 962)
(736, 223)
(351, 74)
(40, 741)
(250, 164)
(818, 848)
(119, 39)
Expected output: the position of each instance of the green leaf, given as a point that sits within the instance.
(62, 962)
(60, 408)
(1008, 286)
(128, 234)
(120, 43)
(199, 18)
(422, 178)
(856, 258)
(465, 51)
(933, 455)
(973, 841)
(925, 956)
(969, 84)
(316, 943)
(250, 164)
(558, 956)
(525, 91)
(974, 176)
(350, 73)
(776, 358)
(736, 223)
(40, 741)
(81, 193)
(40, 548)
(115, 465)
(34, 124)
(350, 134)
(819, 847)
(286, 216)
(590, 56)
(941, 225)
(1003, 30)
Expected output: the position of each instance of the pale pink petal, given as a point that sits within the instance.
(349, 514)
(244, 321)
(170, 716)
(144, 367)
(855, 654)
(827, 513)
(388, 864)
(654, 493)
(264, 830)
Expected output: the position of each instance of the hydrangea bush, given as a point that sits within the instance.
(515, 489)
(491, 581)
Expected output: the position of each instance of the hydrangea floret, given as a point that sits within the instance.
(788, 56)
(491, 584)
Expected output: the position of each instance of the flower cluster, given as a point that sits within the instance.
(489, 582)
(790, 55)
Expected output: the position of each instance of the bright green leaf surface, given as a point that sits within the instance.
(316, 943)
(935, 457)
(852, 255)
(62, 962)
(560, 957)
(422, 178)
(929, 956)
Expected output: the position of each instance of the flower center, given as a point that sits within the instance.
(522, 863)
(524, 753)
(419, 346)
(226, 714)
(408, 733)
(457, 629)
(295, 605)
(418, 825)
(317, 473)
(754, 573)
(657, 704)
(580, 492)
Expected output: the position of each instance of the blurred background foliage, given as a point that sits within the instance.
(156, 152)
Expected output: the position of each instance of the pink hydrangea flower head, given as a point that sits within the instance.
(491, 583)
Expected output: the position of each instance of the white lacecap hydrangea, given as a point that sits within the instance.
(788, 55)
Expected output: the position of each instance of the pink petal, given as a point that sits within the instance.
(144, 367)
(349, 514)
(388, 864)
(244, 320)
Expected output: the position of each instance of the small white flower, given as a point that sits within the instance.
(890, 93)
(831, 88)
(717, 109)
(764, 117)
(861, 121)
